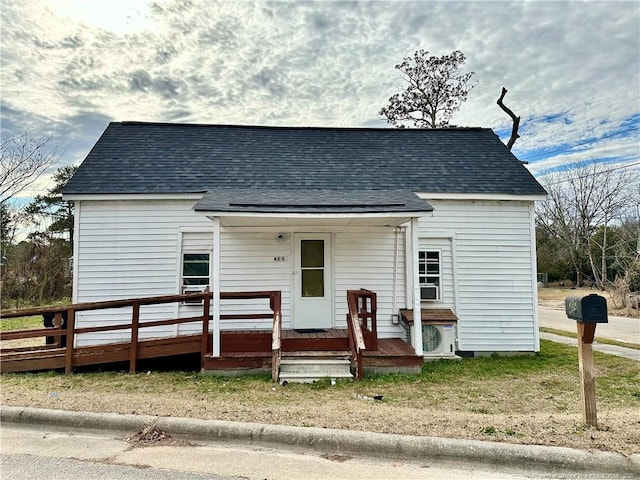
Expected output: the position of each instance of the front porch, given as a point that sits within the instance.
(250, 351)
(352, 350)
(310, 354)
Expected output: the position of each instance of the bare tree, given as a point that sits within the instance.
(583, 200)
(436, 87)
(515, 119)
(23, 158)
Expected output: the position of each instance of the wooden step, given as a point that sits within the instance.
(317, 354)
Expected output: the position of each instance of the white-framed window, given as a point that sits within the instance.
(195, 273)
(430, 274)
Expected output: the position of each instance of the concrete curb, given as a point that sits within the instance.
(338, 441)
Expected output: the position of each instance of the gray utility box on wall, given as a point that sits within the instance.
(587, 309)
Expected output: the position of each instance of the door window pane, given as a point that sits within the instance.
(312, 253)
(313, 283)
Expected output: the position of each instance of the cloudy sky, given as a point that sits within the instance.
(68, 67)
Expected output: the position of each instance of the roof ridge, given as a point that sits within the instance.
(291, 127)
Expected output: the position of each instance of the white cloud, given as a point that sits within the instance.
(571, 68)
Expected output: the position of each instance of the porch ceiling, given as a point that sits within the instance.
(261, 207)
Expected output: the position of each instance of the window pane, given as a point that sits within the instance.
(196, 270)
(312, 253)
(195, 281)
(433, 255)
(433, 269)
(313, 283)
(196, 257)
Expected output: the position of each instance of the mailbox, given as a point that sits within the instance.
(587, 309)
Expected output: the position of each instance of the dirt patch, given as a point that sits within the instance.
(152, 436)
(336, 458)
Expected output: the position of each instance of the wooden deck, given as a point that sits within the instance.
(240, 351)
(392, 353)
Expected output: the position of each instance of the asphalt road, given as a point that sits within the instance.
(619, 328)
(622, 329)
(38, 453)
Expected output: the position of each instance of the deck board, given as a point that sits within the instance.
(329, 333)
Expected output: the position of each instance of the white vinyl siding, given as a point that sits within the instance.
(366, 260)
(255, 261)
(128, 249)
(496, 307)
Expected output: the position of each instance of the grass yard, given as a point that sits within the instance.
(21, 323)
(530, 399)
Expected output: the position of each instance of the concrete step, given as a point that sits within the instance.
(305, 378)
(310, 369)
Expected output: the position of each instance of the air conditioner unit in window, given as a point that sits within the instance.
(438, 340)
(186, 289)
(429, 292)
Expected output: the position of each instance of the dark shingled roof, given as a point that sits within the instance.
(132, 157)
(311, 201)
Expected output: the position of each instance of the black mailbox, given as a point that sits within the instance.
(587, 309)
(49, 322)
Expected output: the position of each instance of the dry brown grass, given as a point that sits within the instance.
(532, 400)
(553, 297)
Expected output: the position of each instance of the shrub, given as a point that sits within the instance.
(632, 277)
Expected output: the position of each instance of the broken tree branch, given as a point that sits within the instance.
(516, 120)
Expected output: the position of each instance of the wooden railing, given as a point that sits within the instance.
(367, 308)
(70, 330)
(275, 304)
(356, 339)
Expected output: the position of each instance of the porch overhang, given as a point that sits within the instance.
(260, 207)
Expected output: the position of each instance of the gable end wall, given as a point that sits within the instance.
(495, 271)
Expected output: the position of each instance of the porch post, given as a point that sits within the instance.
(215, 287)
(415, 280)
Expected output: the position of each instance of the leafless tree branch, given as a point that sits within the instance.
(23, 159)
(516, 120)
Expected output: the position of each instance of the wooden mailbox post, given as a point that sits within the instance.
(588, 311)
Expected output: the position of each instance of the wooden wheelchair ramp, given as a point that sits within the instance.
(59, 348)
(52, 358)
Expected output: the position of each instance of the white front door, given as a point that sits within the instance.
(313, 307)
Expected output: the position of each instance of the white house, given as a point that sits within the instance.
(430, 220)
